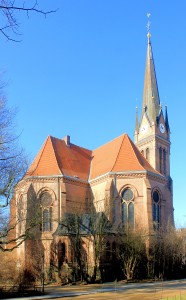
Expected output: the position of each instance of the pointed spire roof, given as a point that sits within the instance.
(137, 122)
(151, 101)
(166, 119)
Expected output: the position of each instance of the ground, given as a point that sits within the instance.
(157, 290)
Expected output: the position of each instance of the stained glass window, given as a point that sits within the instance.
(156, 209)
(46, 208)
(131, 214)
(127, 195)
(127, 208)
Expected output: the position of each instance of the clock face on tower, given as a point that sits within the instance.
(144, 128)
(162, 128)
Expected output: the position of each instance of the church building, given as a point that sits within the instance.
(129, 182)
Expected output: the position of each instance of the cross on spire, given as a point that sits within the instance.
(148, 25)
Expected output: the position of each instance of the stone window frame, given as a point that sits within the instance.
(127, 204)
(163, 160)
(156, 208)
(20, 214)
(46, 211)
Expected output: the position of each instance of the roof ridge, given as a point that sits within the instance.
(124, 134)
(136, 153)
(55, 153)
(90, 168)
(42, 150)
(110, 141)
(80, 147)
(131, 145)
(53, 137)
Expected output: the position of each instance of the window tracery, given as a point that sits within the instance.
(46, 203)
(20, 214)
(127, 207)
(156, 209)
(147, 154)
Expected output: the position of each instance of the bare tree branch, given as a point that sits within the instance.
(8, 8)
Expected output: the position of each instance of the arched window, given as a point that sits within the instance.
(61, 253)
(127, 208)
(131, 214)
(147, 154)
(164, 162)
(156, 209)
(46, 211)
(50, 219)
(124, 213)
(114, 211)
(160, 159)
(45, 220)
(20, 214)
(142, 152)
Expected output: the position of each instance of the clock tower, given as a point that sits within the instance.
(152, 133)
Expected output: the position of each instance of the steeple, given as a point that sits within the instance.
(151, 101)
(166, 120)
(137, 123)
(152, 136)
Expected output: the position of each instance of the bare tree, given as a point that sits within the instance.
(132, 253)
(9, 8)
(100, 230)
(13, 163)
(167, 249)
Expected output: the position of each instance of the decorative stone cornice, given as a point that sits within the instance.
(128, 174)
(99, 179)
(53, 178)
(157, 177)
(151, 138)
(77, 182)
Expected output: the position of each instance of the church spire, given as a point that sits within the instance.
(137, 123)
(151, 101)
(166, 120)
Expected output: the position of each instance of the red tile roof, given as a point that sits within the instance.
(57, 158)
(119, 155)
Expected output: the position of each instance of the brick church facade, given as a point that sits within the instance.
(129, 182)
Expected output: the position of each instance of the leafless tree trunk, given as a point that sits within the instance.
(167, 252)
(13, 164)
(132, 252)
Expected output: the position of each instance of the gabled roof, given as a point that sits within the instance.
(56, 157)
(119, 155)
(45, 163)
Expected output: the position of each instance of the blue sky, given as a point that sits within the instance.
(80, 71)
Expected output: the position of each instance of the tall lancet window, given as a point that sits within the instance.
(156, 209)
(164, 162)
(114, 211)
(147, 154)
(20, 212)
(127, 208)
(160, 159)
(46, 211)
